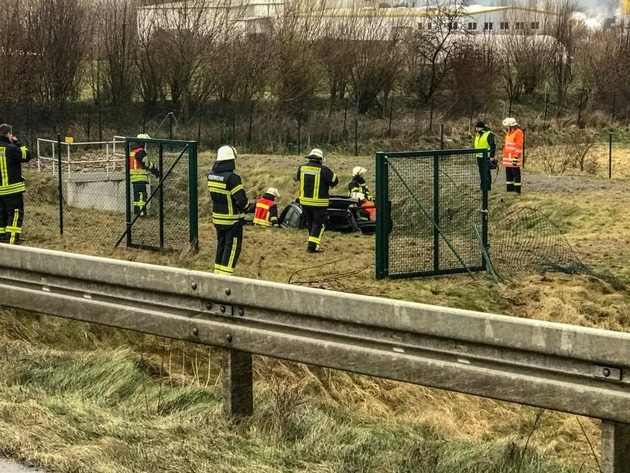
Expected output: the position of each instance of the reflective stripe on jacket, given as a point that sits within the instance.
(513, 149)
(266, 212)
(137, 170)
(358, 184)
(12, 155)
(315, 182)
(229, 200)
(481, 142)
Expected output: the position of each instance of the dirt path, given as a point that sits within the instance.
(565, 183)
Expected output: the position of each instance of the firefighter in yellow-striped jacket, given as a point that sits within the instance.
(266, 212)
(12, 187)
(229, 203)
(315, 183)
(139, 169)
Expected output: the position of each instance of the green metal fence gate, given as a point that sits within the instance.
(432, 212)
(170, 219)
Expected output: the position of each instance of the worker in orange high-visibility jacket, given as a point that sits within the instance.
(140, 166)
(513, 155)
(266, 212)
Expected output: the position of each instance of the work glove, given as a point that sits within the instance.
(155, 172)
(493, 163)
(514, 161)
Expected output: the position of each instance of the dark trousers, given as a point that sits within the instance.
(11, 217)
(488, 175)
(140, 196)
(513, 179)
(316, 218)
(229, 242)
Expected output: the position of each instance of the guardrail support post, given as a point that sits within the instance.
(615, 447)
(238, 390)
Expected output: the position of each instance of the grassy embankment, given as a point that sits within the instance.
(80, 398)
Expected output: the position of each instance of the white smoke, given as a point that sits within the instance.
(595, 12)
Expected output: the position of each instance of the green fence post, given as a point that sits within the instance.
(127, 193)
(193, 196)
(60, 183)
(610, 143)
(161, 194)
(436, 212)
(382, 216)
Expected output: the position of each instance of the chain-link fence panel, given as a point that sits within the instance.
(162, 204)
(84, 191)
(435, 204)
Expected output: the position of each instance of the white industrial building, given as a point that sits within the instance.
(259, 17)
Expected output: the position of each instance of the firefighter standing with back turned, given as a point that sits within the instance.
(139, 168)
(315, 183)
(12, 187)
(229, 202)
(513, 155)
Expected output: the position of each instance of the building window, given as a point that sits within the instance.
(454, 25)
(504, 26)
(429, 26)
(488, 26)
(519, 25)
(535, 25)
(472, 26)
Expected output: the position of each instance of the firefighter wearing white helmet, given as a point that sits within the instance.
(140, 166)
(229, 202)
(266, 211)
(357, 187)
(315, 182)
(513, 148)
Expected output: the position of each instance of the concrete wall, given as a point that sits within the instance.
(96, 190)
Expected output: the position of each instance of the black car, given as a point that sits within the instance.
(344, 215)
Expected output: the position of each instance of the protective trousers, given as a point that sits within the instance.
(140, 196)
(229, 242)
(513, 179)
(316, 218)
(481, 173)
(11, 217)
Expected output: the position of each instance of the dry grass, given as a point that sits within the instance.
(77, 402)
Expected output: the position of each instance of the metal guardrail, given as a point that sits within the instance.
(549, 365)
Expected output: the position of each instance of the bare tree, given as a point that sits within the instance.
(17, 58)
(430, 50)
(296, 74)
(564, 30)
(56, 32)
(375, 58)
(177, 42)
(116, 34)
(602, 62)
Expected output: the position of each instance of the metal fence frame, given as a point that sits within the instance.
(384, 223)
(189, 148)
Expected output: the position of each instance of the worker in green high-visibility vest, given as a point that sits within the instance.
(484, 139)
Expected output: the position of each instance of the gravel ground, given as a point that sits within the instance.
(562, 184)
